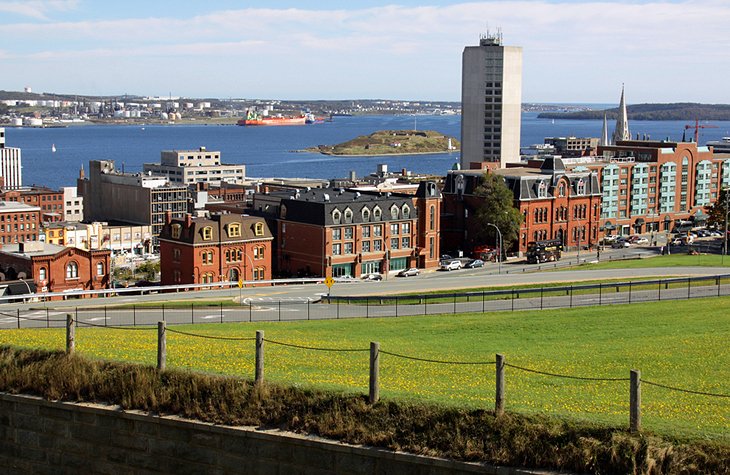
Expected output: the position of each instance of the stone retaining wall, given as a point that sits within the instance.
(38, 436)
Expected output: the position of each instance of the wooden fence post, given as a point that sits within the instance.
(161, 346)
(374, 395)
(499, 399)
(70, 334)
(259, 376)
(635, 401)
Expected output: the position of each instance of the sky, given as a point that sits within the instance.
(573, 51)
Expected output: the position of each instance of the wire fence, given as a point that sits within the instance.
(500, 364)
(382, 306)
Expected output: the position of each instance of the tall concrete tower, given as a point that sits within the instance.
(491, 103)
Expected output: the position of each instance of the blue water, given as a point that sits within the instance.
(269, 151)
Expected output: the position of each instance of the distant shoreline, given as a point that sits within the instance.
(377, 154)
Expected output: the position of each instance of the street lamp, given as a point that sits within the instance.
(30, 293)
(499, 254)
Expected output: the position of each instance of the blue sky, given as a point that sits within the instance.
(573, 51)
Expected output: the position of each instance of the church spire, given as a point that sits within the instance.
(604, 132)
(621, 132)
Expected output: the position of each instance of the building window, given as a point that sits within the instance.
(258, 252)
(432, 218)
(175, 231)
(336, 249)
(72, 271)
(377, 231)
(234, 230)
(377, 213)
(394, 229)
(233, 275)
(377, 245)
(207, 233)
(365, 232)
(405, 242)
(366, 246)
(99, 268)
(176, 255)
(394, 243)
(42, 274)
(542, 190)
(337, 234)
(348, 233)
(406, 228)
(365, 215)
(406, 212)
(431, 246)
(394, 212)
(259, 229)
(349, 247)
(336, 216)
(348, 216)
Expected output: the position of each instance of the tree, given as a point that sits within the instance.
(497, 208)
(718, 210)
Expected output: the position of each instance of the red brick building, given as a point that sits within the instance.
(555, 204)
(18, 222)
(337, 232)
(49, 201)
(219, 248)
(55, 268)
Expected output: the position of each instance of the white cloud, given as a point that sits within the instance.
(37, 9)
(571, 49)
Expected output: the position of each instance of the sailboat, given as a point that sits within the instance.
(53, 147)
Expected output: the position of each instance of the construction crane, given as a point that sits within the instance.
(697, 128)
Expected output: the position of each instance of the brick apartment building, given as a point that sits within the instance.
(219, 248)
(18, 222)
(338, 232)
(54, 268)
(555, 204)
(50, 202)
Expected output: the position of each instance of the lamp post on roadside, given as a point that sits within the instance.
(499, 254)
(724, 247)
(30, 293)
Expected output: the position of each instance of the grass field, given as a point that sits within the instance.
(674, 260)
(679, 343)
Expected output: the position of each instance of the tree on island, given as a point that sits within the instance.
(497, 208)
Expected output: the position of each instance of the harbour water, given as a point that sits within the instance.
(273, 151)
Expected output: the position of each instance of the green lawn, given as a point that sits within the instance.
(672, 343)
(673, 260)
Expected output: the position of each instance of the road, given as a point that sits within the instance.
(300, 302)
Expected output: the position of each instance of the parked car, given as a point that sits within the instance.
(409, 272)
(474, 263)
(345, 278)
(450, 265)
(641, 240)
(619, 244)
(372, 276)
(446, 257)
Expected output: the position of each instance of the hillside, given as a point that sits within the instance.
(392, 142)
(674, 111)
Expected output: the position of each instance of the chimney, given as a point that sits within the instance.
(188, 220)
(168, 217)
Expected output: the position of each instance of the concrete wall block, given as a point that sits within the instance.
(354, 464)
(28, 422)
(124, 425)
(31, 454)
(241, 446)
(60, 413)
(147, 427)
(83, 417)
(96, 434)
(206, 439)
(129, 441)
(30, 409)
(178, 434)
(26, 438)
(296, 469)
(141, 461)
(56, 427)
(274, 451)
(312, 457)
(231, 463)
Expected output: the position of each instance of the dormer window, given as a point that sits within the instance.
(377, 213)
(336, 216)
(406, 212)
(394, 212)
(561, 189)
(365, 215)
(207, 233)
(175, 231)
(348, 216)
(259, 229)
(581, 187)
(541, 190)
(234, 230)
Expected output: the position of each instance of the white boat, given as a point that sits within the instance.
(720, 146)
(53, 147)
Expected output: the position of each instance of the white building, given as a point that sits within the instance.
(10, 165)
(491, 102)
(73, 204)
(184, 167)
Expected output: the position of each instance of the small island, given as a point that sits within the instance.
(392, 142)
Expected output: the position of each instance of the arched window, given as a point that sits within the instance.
(42, 273)
(366, 214)
(348, 215)
(175, 231)
(233, 275)
(336, 216)
(561, 189)
(406, 212)
(72, 270)
(99, 268)
(259, 229)
(432, 218)
(581, 187)
(541, 189)
(234, 230)
(377, 213)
